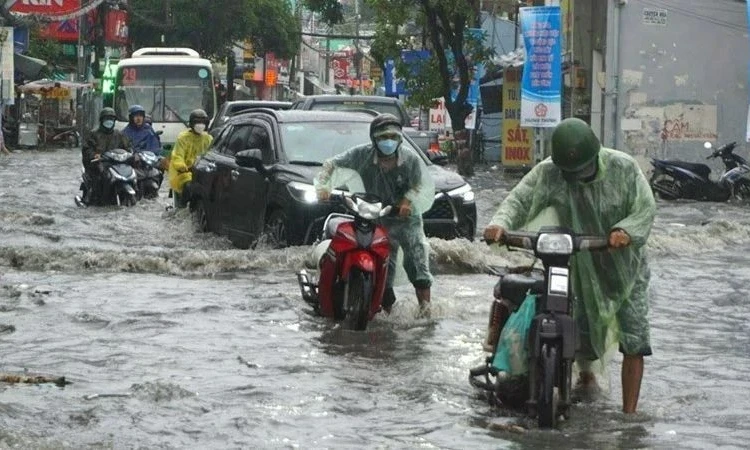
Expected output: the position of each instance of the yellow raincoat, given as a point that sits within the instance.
(187, 149)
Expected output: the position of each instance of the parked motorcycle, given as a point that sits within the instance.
(545, 388)
(353, 263)
(149, 174)
(674, 179)
(120, 180)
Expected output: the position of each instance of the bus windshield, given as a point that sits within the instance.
(168, 93)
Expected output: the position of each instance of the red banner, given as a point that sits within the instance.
(116, 28)
(63, 31)
(340, 66)
(47, 7)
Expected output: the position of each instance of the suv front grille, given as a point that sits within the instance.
(441, 209)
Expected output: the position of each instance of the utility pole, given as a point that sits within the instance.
(358, 55)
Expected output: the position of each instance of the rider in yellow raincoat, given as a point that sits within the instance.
(190, 145)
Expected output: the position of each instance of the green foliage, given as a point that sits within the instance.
(440, 26)
(212, 26)
(46, 49)
(332, 11)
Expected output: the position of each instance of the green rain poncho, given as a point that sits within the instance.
(409, 179)
(610, 286)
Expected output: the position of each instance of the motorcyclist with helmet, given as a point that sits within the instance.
(104, 138)
(595, 191)
(140, 133)
(190, 144)
(398, 176)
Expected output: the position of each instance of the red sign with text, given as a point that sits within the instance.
(116, 27)
(48, 7)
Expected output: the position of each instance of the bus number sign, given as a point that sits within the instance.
(129, 75)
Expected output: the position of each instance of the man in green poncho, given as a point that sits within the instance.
(595, 191)
(394, 172)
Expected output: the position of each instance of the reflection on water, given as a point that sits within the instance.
(177, 340)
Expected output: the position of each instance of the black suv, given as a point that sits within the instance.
(257, 178)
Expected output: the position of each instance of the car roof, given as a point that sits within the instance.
(296, 115)
(349, 98)
(258, 103)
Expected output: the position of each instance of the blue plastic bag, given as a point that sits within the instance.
(512, 355)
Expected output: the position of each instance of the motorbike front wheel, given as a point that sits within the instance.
(125, 199)
(548, 402)
(742, 190)
(357, 299)
(665, 186)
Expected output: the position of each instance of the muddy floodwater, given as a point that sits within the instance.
(172, 339)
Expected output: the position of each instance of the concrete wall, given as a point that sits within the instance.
(683, 74)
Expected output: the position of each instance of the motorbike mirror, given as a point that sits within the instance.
(385, 211)
(707, 145)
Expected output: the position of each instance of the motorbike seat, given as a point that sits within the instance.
(515, 286)
(698, 168)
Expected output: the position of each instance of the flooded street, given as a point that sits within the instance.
(172, 339)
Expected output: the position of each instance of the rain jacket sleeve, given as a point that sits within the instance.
(332, 175)
(641, 211)
(515, 210)
(421, 191)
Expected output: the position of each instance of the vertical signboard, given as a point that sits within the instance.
(517, 141)
(541, 88)
(7, 67)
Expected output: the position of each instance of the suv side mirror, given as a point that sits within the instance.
(252, 158)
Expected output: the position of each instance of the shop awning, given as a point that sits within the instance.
(29, 67)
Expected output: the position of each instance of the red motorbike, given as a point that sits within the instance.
(352, 259)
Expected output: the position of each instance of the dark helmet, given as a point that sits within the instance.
(381, 121)
(574, 145)
(107, 113)
(136, 109)
(198, 116)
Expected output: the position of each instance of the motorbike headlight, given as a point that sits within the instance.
(302, 192)
(554, 244)
(465, 192)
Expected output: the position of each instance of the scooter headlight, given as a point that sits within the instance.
(554, 244)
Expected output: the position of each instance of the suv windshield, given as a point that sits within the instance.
(317, 141)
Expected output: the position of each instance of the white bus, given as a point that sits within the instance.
(169, 83)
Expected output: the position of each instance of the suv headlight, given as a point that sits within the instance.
(302, 192)
(305, 193)
(465, 192)
(554, 244)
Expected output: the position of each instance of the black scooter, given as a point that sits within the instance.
(149, 174)
(552, 338)
(674, 179)
(119, 180)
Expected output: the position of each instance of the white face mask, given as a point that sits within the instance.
(199, 127)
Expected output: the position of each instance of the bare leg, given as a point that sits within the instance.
(632, 374)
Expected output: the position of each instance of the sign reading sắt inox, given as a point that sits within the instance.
(541, 86)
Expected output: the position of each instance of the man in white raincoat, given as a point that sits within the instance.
(398, 176)
(595, 191)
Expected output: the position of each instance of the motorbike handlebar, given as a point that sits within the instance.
(527, 240)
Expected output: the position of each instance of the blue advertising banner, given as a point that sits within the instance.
(541, 86)
(395, 86)
(747, 127)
